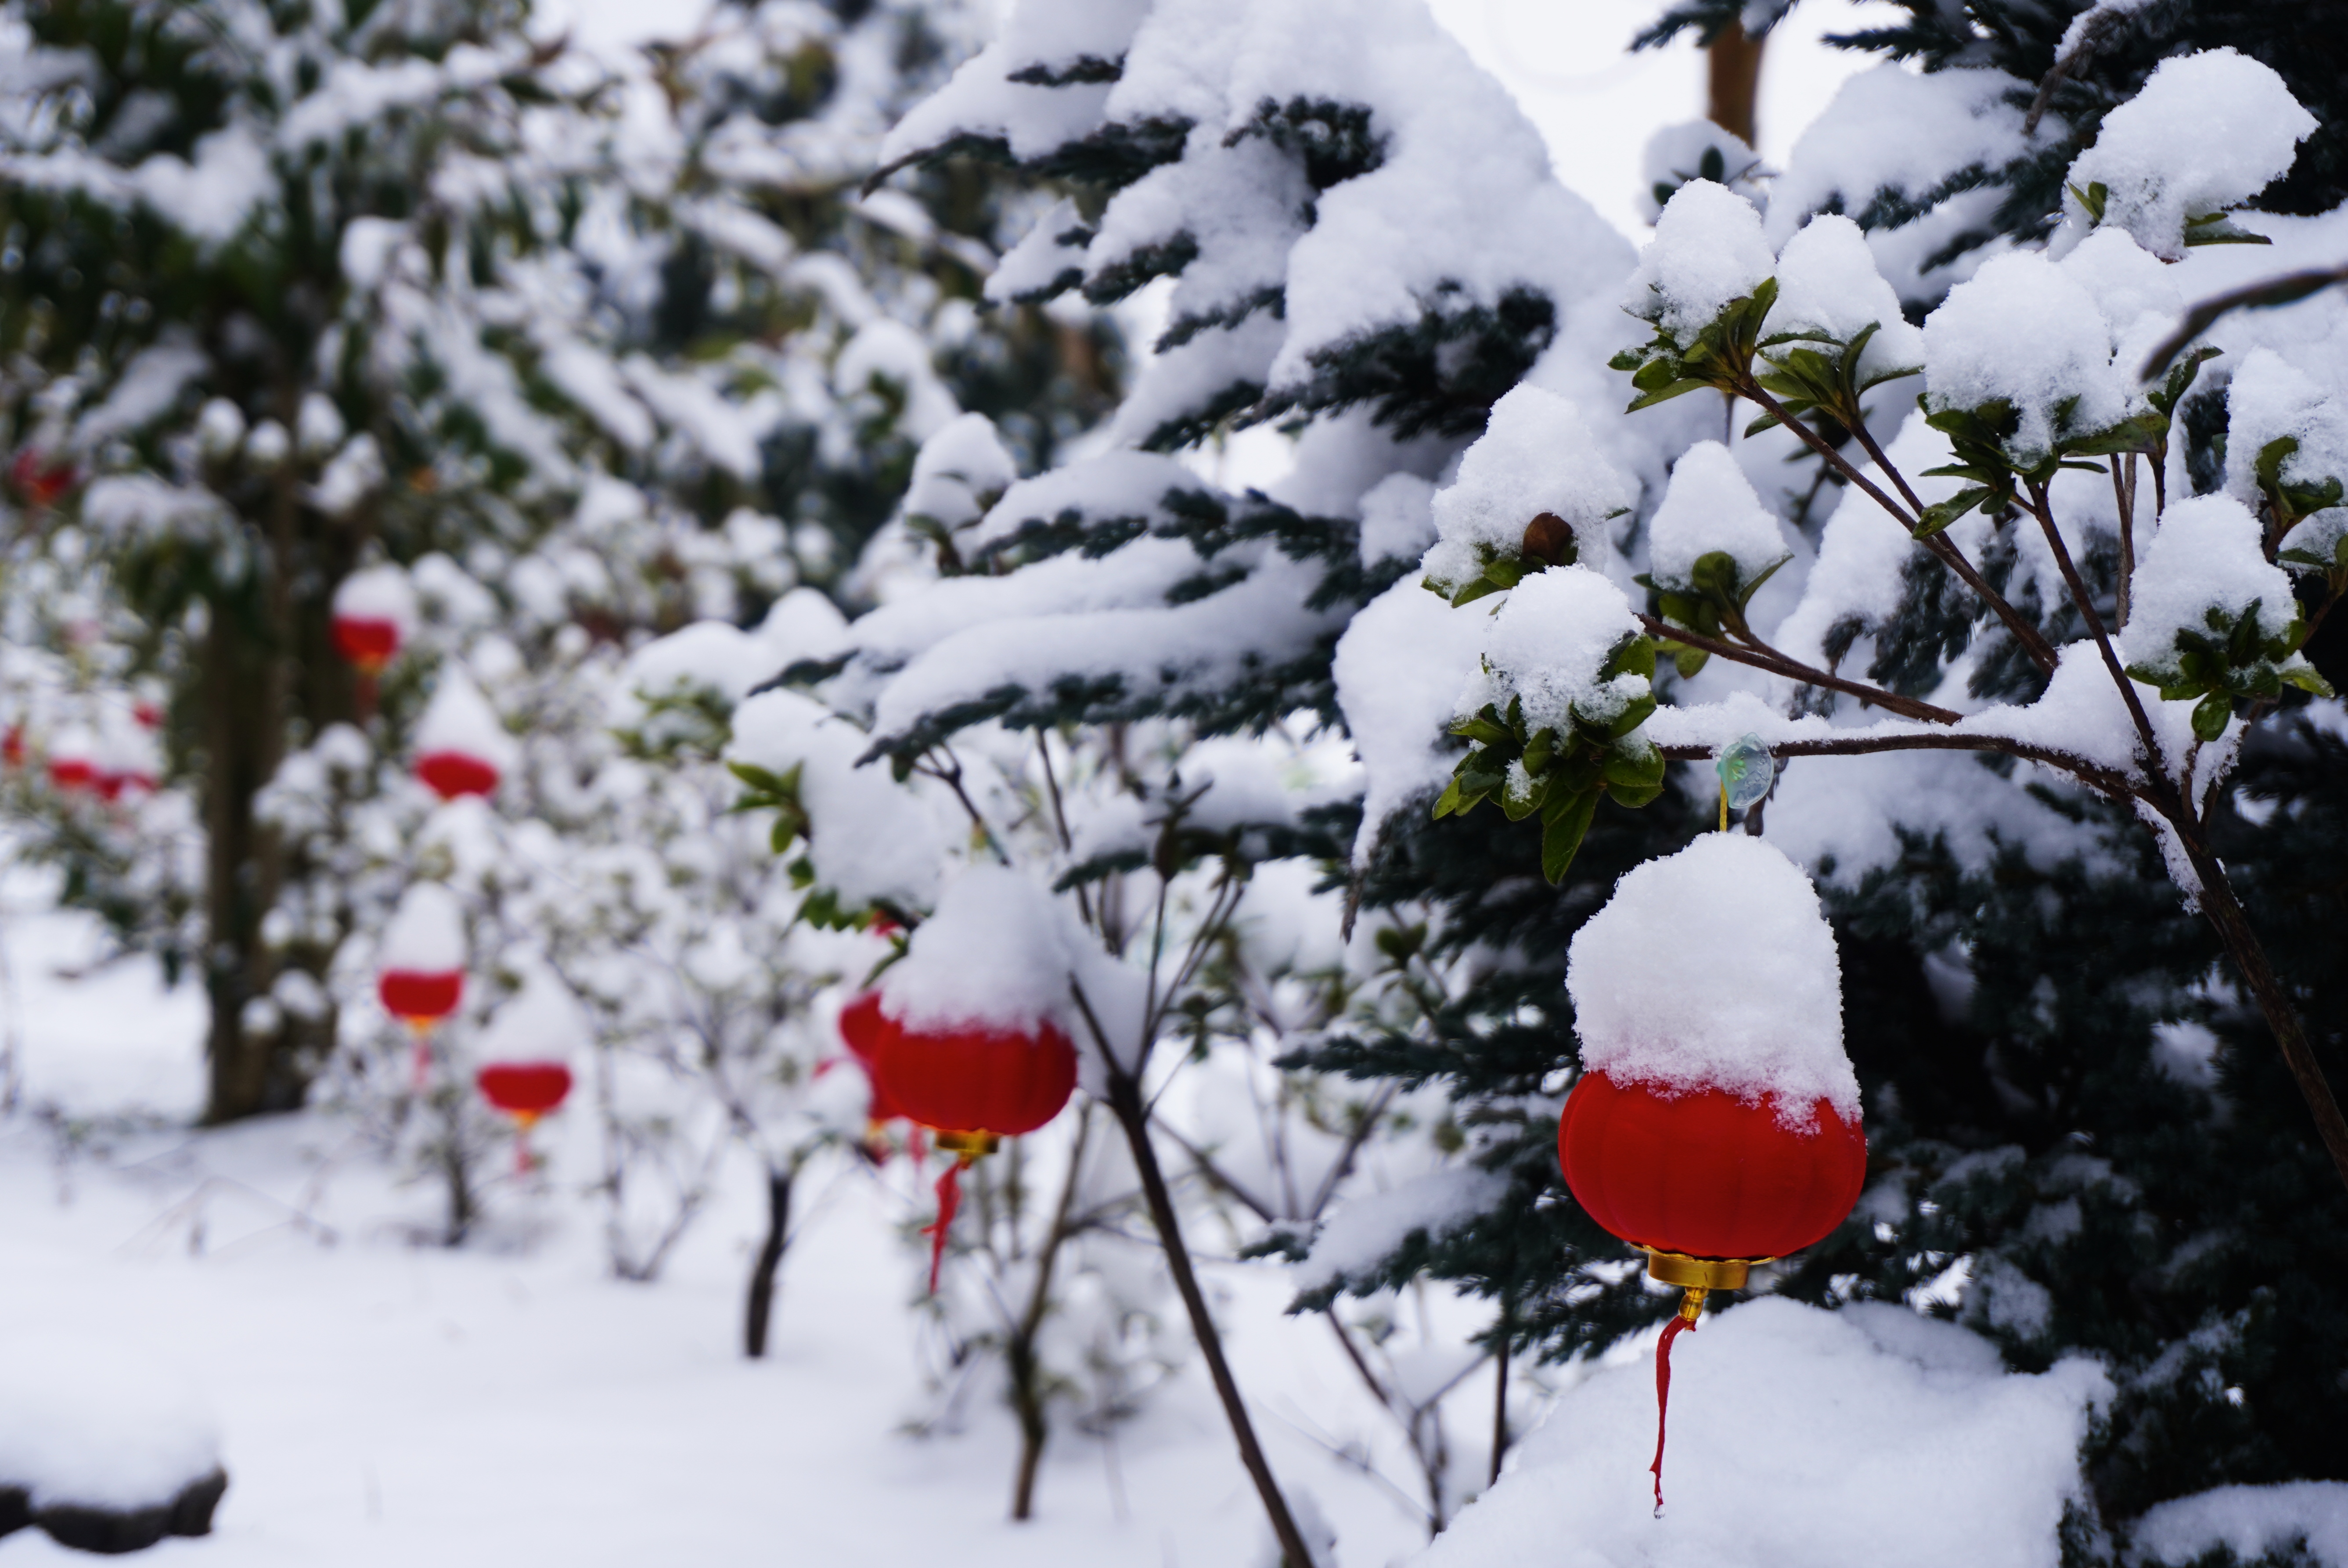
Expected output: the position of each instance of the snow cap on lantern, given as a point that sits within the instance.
(374, 616)
(460, 747)
(126, 758)
(1715, 969)
(73, 758)
(420, 966)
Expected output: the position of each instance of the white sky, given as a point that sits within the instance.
(1563, 59)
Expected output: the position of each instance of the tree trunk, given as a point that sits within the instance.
(1733, 86)
(1028, 1404)
(760, 1310)
(243, 727)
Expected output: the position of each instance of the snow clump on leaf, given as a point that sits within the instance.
(1536, 455)
(1827, 284)
(1550, 646)
(1715, 969)
(2206, 133)
(2022, 345)
(1708, 251)
(1710, 509)
(869, 839)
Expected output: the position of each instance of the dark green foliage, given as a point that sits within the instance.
(2306, 42)
(1563, 1285)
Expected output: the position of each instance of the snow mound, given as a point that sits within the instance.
(1398, 669)
(1800, 1439)
(93, 1424)
(1715, 968)
(377, 593)
(1538, 453)
(2252, 1521)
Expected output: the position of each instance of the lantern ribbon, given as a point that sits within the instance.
(1691, 1307)
(949, 1200)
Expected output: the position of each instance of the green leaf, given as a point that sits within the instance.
(2211, 715)
(1563, 827)
(1676, 389)
(1941, 514)
(1688, 661)
(1635, 713)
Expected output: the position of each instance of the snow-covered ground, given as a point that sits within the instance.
(382, 1401)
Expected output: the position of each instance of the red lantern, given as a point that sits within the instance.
(862, 1028)
(973, 1085)
(1707, 1184)
(12, 746)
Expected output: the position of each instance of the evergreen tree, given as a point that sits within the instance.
(1887, 154)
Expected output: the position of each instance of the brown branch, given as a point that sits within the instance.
(2110, 782)
(2041, 652)
(1777, 663)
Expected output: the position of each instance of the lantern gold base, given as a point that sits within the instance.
(1698, 1273)
(969, 1145)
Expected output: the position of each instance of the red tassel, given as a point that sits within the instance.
(1677, 1326)
(949, 1200)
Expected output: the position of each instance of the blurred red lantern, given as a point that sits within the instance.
(420, 974)
(368, 643)
(449, 774)
(1707, 1184)
(72, 761)
(38, 480)
(462, 749)
(12, 746)
(975, 1085)
(524, 1091)
(374, 615)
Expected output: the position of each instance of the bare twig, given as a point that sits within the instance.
(1765, 657)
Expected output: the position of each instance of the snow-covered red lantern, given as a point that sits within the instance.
(420, 966)
(73, 759)
(967, 1042)
(1716, 1122)
(125, 761)
(12, 745)
(525, 1055)
(373, 617)
(462, 749)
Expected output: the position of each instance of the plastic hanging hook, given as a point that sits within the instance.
(1746, 771)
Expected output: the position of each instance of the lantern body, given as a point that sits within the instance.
(527, 1090)
(974, 1079)
(862, 1030)
(368, 642)
(71, 772)
(453, 773)
(420, 996)
(1705, 1173)
(38, 480)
